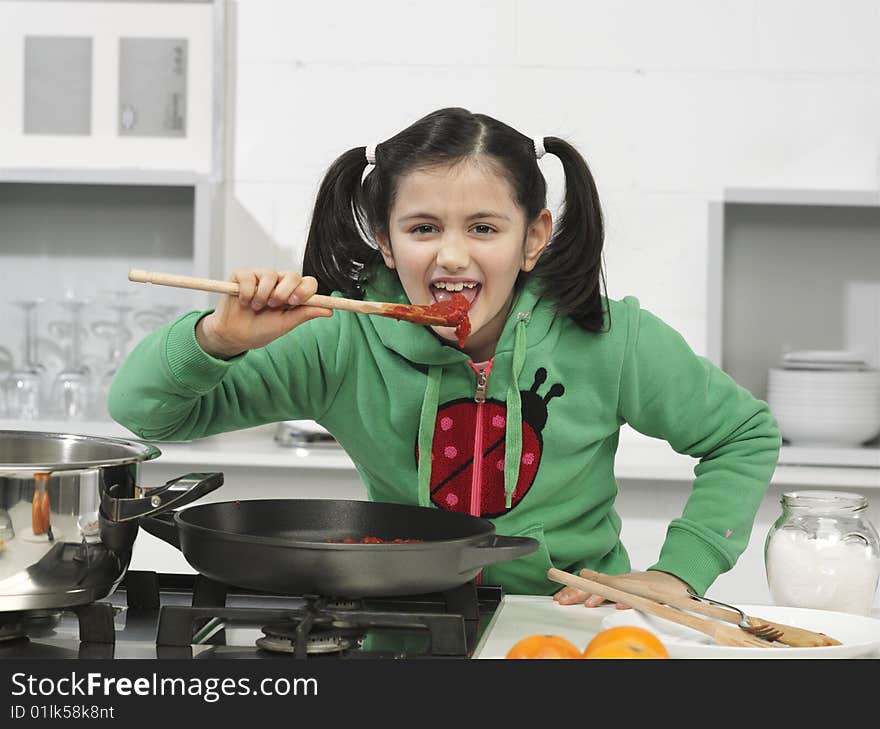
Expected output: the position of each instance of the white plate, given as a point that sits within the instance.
(825, 379)
(836, 366)
(826, 356)
(858, 634)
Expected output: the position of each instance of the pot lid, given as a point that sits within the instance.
(29, 452)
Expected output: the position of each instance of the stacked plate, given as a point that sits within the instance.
(826, 398)
(825, 359)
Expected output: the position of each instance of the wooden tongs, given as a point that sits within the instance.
(720, 632)
(787, 634)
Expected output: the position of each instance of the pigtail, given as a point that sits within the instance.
(571, 268)
(338, 246)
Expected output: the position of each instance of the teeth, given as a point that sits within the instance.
(450, 286)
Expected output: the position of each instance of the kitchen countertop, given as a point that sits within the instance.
(521, 615)
(638, 458)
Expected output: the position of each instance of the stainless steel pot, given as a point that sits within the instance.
(69, 510)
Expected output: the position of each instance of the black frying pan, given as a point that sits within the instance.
(292, 546)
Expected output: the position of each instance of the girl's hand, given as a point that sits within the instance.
(268, 305)
(660, 580)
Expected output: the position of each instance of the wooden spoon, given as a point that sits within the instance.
(452, 313)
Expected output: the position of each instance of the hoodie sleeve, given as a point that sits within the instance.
(168, 388)
(669, 392)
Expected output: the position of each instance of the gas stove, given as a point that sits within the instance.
(159, 615)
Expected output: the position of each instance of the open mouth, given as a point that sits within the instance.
(444, 290)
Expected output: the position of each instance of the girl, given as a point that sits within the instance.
(521, 424)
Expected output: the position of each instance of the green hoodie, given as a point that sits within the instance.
(403, 406)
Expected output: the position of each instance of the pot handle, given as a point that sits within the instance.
(174, 494)
(501, 550)
(162, 526)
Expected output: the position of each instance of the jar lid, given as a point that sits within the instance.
(819, 499)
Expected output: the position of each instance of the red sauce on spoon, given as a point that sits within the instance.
(451, 313)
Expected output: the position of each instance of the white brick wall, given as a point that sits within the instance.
(669, 103)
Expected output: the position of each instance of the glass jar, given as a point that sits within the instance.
(823, 552)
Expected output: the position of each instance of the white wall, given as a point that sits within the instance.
(669, 102)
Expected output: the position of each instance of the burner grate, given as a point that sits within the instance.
(446, 632)
(191, 616)
(327, 625)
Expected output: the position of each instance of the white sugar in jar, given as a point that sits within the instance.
(823, 552)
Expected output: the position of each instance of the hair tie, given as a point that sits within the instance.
(539, 147)
(371, 153)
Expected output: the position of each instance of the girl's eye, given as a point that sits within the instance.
(423, 229)
(483, 229)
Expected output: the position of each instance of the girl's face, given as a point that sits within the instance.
(458, 229)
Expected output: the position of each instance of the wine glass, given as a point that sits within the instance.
(24, 386)
(7, 365)
(149, 319)
(118, 335)
(6, 361)
(71, 391)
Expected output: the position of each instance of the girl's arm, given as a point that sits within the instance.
(667, 391)
(170, 387)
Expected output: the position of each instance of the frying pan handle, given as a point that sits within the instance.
(163, 527)
(502, 549)
(174, 494)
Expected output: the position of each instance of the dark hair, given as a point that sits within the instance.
(341, 250)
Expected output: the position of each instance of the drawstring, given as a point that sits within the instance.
(426, 432)
(513, 428)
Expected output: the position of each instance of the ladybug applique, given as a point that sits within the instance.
(452, 454)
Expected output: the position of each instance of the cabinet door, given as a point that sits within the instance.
(152, 87)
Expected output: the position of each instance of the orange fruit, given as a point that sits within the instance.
(544, 646)
(625, 641)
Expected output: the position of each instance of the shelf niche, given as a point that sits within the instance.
(779, 271)
(75, 234)
(780, 265)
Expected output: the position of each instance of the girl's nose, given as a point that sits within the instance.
(453, 253)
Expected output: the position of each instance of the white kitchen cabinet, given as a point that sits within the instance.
(112, 85)
(782, 268)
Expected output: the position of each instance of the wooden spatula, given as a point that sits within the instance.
(452, 313)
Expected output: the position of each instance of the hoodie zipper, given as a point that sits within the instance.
(477, 477)
(480, 398)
